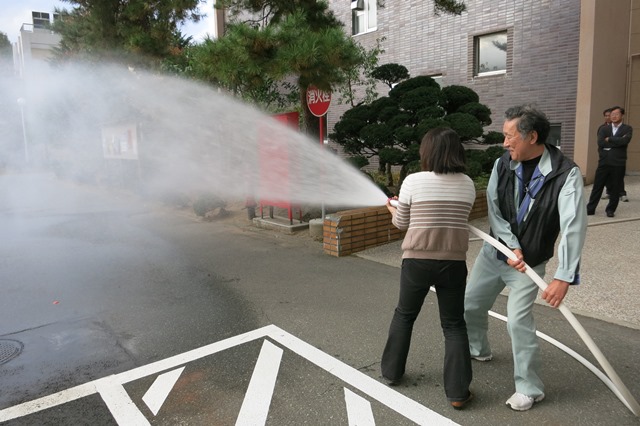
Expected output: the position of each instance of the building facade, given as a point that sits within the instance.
(560, 55)
(30, 60)
(35, 44)
(608, 75)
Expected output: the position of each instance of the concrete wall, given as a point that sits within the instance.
(633, 93)
(602, 73)
(542, 61)
(33, 49)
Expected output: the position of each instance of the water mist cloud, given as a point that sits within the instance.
(187, 137)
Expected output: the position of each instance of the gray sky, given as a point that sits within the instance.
(14, 13)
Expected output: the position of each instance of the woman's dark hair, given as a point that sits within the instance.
(442, 152)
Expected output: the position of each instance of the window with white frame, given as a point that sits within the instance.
(363, 16)
(490, 53)
(40, 19)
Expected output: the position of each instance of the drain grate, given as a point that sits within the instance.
(9, 349)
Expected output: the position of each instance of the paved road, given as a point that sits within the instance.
(210, 323)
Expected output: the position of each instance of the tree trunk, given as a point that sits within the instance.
(311, 122)
(389, 175)
(403, 175)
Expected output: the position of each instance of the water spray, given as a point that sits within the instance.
(183, 137)
(619, 389)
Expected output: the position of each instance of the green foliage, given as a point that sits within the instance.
(480, 161)
(493, 138)
(478, 110)
(270, 12)
(6, 67)
(481, 182)
(380, 179)
(206, 203)
(5, 45)
(385, 189)
(495, 152)
(275, 49)
(392, 127)
(360, 77)
(136, 32)
(466, 125)
(413, 83)
(457, 96)
(452, 7)
(250, 75)
(390, 74)
(358, 161)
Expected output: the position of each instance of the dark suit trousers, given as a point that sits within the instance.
(611, 177)
(449, 278)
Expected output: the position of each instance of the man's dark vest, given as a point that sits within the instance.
(537, 234)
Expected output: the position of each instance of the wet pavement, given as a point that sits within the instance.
(607, 303)
(325, 317)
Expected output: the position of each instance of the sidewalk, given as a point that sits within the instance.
(610, 290)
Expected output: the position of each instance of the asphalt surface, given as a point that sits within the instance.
(607, 303)
(339, 307)
(609, 268)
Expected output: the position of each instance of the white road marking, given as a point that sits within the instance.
(358, 410)
(111, 387)
(255, 407)
(192, 355)
(367, 385)
(48, 401)
(159, 390)
(89, 388)
(124, 411)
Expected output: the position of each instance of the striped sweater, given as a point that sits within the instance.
(434, 209)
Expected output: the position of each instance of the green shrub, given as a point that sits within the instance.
(208, 202)
(480, 164)
(495, 152)
(493, 138)
(358, 161)
(481, 182)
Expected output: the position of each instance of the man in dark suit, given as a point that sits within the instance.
(612, 148)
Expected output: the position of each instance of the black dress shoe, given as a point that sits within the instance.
(590, 213)
(459, 405)
(610, 214)
(391, 382)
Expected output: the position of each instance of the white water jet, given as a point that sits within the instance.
(190, 137)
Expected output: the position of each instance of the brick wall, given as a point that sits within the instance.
(351, 231)
(542, 59)
(479, 206)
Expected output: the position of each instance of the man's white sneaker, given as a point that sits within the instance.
(522, 402)
(482, 358)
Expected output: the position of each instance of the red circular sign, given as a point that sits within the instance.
(318, 101)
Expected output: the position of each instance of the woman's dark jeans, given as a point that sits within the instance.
(449, 278)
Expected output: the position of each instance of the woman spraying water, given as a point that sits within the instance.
(434, 207)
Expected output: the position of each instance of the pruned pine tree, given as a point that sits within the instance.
(392, 127)
(136, 32)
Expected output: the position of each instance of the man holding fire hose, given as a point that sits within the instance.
(534, 194)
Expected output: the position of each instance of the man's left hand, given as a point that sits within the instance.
(555, 292)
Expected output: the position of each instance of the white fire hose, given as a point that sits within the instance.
(615, 384)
